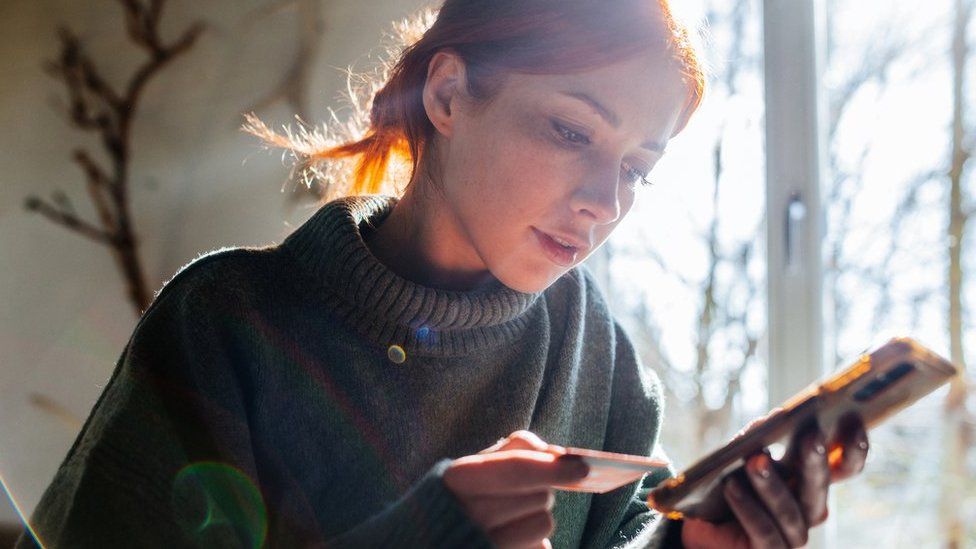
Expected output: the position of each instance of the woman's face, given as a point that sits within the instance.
(553, 160)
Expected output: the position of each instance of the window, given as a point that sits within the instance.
(887, 249)
(685, 271)
(855, 105)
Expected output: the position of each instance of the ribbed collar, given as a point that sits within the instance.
(390, 310)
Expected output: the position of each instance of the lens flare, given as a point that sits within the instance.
(214, 501)
(20, 513)
(396, 354)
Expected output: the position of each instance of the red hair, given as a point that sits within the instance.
(492, 38)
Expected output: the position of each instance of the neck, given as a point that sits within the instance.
(422, 242)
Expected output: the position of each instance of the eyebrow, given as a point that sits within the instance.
(609, 116)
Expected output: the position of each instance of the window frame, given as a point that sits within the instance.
(793, 61)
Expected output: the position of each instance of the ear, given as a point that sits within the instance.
(445, 80)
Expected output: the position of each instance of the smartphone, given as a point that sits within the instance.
(876, 385)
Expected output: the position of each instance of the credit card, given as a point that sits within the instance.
(609, 470)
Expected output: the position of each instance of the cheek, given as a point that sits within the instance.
(510, 177)
(489, 186)
(520, 172)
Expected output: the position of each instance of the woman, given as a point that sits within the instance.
(343, 388)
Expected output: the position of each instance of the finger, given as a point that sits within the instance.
(812, 471)
(849, 449)
(493, 511)
(782, 505)
(758, 525)
(527, 440)
(755, 422)
(697, 533)
(544, 544)
(511, 472)
(529, 530)
(496, 446)
(794, 453)
(519, 440)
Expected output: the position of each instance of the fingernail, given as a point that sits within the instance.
(582, 470)
(550, 500)
(556, 449)
(760, 466)
(574, 465)
(764, 471)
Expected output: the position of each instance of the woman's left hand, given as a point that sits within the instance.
(777, 502)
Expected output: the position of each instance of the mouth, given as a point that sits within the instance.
(558, 250)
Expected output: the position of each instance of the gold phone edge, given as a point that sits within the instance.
(827, 387)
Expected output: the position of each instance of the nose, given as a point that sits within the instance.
(597, 198)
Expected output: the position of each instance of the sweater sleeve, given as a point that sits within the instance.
(428, 515)
(166, 458)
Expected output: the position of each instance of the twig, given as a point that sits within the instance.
(68, 220)
(95, 106)
(56, 409)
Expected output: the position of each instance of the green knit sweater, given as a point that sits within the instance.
(305, 395)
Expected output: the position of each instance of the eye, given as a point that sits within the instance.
(570, 136)
(636, 175)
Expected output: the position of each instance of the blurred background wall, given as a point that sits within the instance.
(196, 183)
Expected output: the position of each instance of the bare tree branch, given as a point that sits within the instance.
(95, 106)
(56, 409)
(720, 320)
(67, 219)
(959, 436)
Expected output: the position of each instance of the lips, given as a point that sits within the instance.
(555, 249)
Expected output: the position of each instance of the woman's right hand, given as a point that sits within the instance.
(507, 488)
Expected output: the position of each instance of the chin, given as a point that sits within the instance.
(529, 282)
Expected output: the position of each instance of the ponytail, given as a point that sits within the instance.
(365, 154)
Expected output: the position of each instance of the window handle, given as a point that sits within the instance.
(796, 213)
